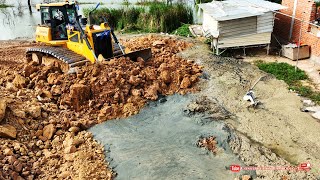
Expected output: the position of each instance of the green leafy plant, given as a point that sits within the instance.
(287, 73)
(183, 31)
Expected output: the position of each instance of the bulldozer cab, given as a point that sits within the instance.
(57, 17)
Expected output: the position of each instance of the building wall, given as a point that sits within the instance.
(238, 27)
(209, 23)
(247, 31)
(265, 22)
(246, 40)
(306, 11)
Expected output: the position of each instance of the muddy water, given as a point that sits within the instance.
(160, 143)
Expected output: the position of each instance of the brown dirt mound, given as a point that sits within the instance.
(46, 112)
(120, 87)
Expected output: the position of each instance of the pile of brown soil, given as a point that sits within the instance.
(45, 113)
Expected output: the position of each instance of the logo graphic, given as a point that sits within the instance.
(235, 168)
(305, 166)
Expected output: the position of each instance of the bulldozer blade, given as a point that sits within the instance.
(145, 54)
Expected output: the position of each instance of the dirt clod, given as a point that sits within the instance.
(246, 177)
(3, 106)
(8, 131)
(48, 131)
(19, 81)
(79, 94)
(209, 143)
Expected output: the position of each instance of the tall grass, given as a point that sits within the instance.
(156, 17)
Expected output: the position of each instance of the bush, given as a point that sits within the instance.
(156, 17)
(183, 31)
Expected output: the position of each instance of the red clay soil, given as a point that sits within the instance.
(44, 113)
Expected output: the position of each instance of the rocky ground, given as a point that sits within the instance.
(44, 113)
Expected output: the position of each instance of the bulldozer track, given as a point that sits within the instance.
(66, 55)
(69, 57)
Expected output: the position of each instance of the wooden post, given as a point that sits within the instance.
(298, 54)
(29, 5)
(268, 49)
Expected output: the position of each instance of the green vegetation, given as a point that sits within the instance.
(86, 3)
(283, 71)
(183, 31)
(125, 2)
(156, 17)
(287, 73)
(3, 4)
(145, 2)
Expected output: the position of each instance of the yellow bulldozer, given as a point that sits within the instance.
(75, 41)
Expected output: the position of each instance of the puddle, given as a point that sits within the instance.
(160, 143)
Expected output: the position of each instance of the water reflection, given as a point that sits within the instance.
(17, 22)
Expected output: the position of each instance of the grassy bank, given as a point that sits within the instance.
(155, 17)
(287, 73)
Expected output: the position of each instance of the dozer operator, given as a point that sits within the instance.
(74, 40)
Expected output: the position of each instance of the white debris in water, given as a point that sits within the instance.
(313, 109)
(308, 102)
(316, 115)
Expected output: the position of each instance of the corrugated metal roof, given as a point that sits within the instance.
(235, 9)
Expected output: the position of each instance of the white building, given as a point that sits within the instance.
(238, 23)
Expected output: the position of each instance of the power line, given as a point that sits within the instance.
(278, 12)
